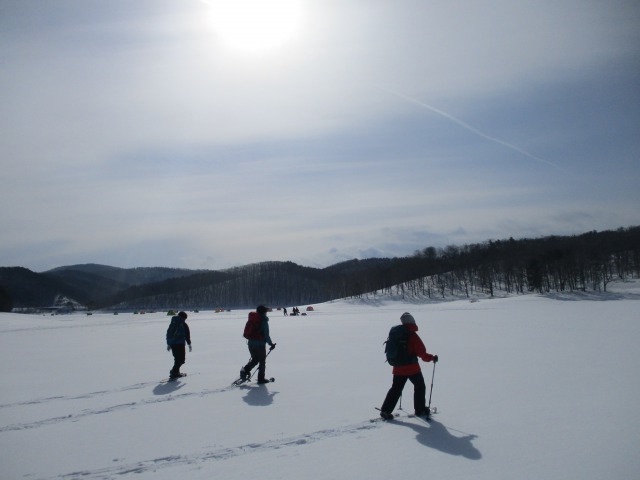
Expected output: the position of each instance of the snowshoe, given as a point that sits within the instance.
(386, 415)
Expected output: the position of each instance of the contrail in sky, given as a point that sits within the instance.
(468, 127)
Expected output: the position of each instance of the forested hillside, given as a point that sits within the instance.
(556, 263)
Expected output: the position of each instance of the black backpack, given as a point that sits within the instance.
(175, 332)
(397, 346)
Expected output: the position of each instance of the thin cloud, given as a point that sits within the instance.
(468, 127)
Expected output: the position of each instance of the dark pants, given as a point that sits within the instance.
(258, 357)
(179, 357)
(419, 393)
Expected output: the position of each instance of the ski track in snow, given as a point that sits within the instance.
(88, 412)
(76, 397)
(135, 386)
(223, 453)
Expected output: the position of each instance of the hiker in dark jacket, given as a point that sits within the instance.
(177, 335)
(258, 348)
(410, 371)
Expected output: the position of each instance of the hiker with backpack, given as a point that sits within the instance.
(177, 335)
(403, 348)
(256, 331)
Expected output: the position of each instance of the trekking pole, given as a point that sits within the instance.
(431, 391)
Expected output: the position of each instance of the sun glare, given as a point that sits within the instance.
(255, 25)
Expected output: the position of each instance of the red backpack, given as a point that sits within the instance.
(253, 327)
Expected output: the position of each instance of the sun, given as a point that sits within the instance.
(255, 25)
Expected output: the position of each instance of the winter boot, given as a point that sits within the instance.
(243, 374)
(386, 415)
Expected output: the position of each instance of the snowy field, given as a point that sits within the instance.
(527, 387)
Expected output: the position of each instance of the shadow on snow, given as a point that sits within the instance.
(165, 388)
(435, 435)
(258, 395)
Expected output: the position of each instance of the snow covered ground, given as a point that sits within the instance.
(527, 387)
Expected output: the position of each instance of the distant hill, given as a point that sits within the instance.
(29, 289)
(121, 276)
(555, 263)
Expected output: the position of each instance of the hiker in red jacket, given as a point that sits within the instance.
(409, 369)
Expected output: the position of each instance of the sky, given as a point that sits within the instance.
(194, 134)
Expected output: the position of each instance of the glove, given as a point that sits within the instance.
(273, 345)
(168, 348)
(190, 348)
(435, 359)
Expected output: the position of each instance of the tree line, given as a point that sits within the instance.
(587, 262)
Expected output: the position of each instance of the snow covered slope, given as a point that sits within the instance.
(527, 387)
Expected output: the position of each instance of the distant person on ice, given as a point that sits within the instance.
(257, 335)
(404, 347)
(177, 335)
